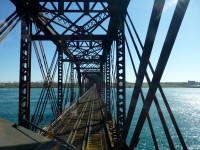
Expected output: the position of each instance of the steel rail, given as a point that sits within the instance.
(83, 117)
(87, 130)
(73, 132)
(82, 130)
(43, 132)
(96, 137)
(81, 101)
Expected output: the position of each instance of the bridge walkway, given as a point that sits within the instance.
(82, 126)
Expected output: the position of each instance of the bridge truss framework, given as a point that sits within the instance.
(90, 36)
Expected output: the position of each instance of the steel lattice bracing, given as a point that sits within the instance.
(121, 82)
(60, 79)
(108, 82)
(103, 81)
(72, 82)
(25, 73)
(92, 39)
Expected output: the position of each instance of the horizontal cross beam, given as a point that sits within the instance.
(69, 37)
(73, 1)
(82, 60)
(73, 11)
(83, 73)
(89, 68)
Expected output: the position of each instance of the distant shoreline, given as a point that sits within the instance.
(128, 85)
(168, 85)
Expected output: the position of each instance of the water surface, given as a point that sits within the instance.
(184, 102)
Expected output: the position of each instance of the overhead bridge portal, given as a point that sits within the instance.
(95, 45)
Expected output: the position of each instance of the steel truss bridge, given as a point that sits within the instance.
(93, 39)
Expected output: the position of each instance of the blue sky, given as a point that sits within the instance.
(183, 64)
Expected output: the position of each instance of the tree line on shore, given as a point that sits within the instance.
(128, 84)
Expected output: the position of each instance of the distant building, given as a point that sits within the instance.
(191, 82)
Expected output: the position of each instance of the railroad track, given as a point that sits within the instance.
(82, 126)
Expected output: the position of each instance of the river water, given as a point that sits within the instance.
(184, 102)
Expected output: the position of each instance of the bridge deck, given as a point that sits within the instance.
(82, 126)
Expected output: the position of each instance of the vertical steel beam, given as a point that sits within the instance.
(108, 83)
(25, 73)
(79, 80)
(60, 80)
(85, 83)
(61, 7)
(120, 75)
(72, 82)
(102, 74)
(103, 81)
(86, 7)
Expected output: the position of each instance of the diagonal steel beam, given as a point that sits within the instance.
(38, 18)
(114, 12)
(150, 38)
(159, 87)
(164, 56)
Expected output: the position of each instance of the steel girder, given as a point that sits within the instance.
(77, 27)
(72, 83)
(150, 37)
(45, 20)
(50, 14)
(7, 25)
(79, 80)
(71, 31)
(162, 61)
(25, 74)
(108, 84)
(69, 37)
(103, 81)
(24, 7)
(60, 80)
(72, 6)
(120, 76)
(114, 11)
